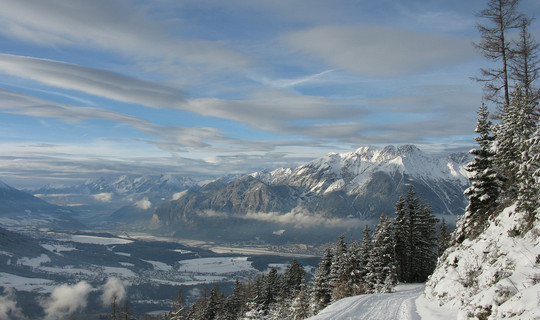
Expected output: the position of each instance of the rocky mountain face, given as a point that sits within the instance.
(357, 185)
(18, 208)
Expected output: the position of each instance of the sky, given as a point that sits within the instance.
(201, 87)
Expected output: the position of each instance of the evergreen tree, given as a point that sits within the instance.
(518, 122)
(292, 280)
(196, 311)
(425, 243)
(403, 250)
(363, 254)
(233, 305)
(126, 313)
(300, 305)
(443, 240)
(321, 289)
(485, 181)
(338, 270)
(415, 242)
(354, 272)
(381, 269)
(528, 197)
(271, 286)
(213, 305)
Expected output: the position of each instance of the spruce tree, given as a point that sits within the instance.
(443, 240)
(363, 254)
(353, 271)
(338, 270)
(518, 122)
(528, 197)
(321, 289)
(425, 244)
(485, 186)
(300, 305)
(292, 280)
(403, 236)
(381, 269)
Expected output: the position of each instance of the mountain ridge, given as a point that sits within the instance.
(357, 185)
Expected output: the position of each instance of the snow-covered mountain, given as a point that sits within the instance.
(356, 185)
(124, 185)
(352, 172)
(18, 208)
(123, 198)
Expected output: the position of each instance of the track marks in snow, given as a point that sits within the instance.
(399, 305)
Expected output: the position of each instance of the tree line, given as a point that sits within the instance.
(404, 249)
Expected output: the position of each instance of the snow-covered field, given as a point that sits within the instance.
(25, 283)
(98, 240)
(216, 265)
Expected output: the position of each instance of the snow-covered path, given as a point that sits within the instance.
(388, 306)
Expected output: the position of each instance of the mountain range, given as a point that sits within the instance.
(338, 190)
(124, 199)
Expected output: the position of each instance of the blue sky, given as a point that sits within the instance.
(92, 88)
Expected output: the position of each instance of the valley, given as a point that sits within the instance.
(151, 270)
(154, 235)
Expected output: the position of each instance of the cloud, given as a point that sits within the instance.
(113, 26)
(66, 299)
(114, 287)
(264, 109)
(268, 109)
(144, 204)
(93, 81)
(103, 197)
(284, 83)
(179, 195)
(301, 218)
(8, 305)
(380, 51)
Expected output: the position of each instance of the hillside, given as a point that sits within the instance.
(18, 208)
(495, 276)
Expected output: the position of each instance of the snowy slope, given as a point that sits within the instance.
(495, 276)
(385, 306)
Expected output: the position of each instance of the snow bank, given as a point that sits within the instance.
(495, 276)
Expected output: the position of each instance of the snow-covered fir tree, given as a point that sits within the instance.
(518, 123)
(415, 242)
(443, 238)
(381, 268)
(485, 180)
(321, 288)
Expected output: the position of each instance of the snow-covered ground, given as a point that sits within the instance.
(495, 276)
(406, 303)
